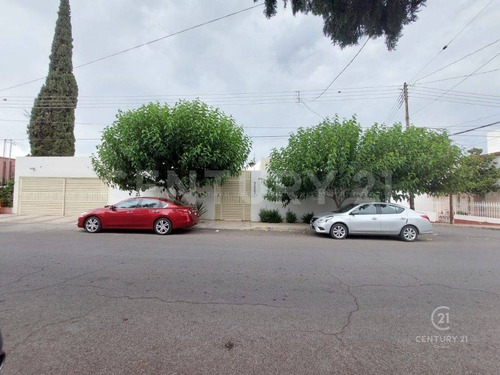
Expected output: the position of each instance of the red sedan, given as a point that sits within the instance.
(158, 214)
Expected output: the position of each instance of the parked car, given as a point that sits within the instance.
(158, 214)
(375, 218)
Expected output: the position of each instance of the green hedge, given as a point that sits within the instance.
(291, 217)
(7, 193)
(270, 216)
(306, 218)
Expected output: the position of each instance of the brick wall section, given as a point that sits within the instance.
(4, 169)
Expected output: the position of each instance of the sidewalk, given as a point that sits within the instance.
(478, 226)
(252, 226)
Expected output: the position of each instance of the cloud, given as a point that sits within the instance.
(274, 61)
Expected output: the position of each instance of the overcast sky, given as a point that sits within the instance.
(266, 73)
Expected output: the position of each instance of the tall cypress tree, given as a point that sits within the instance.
(52, 122)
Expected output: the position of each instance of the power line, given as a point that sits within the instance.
(393, 111)
(144, 44)
(428, 104)
(452, 39)
(456, 77)
(460, 124)
(476, 128)
(456, 61)
(355, 89)
(461, 93)
(343, 70)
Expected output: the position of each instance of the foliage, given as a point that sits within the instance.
(316, 160)
(52, 121)
(200, 206)
(477, 174)
(346, 163)
(407, 162)
(7, 193)
(346, 21)
(290, 217)
(270, 216)
(306, 218)
(177, 148)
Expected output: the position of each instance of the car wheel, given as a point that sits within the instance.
(163, 226)
(409, 233)
(92, 224)
(338, 231)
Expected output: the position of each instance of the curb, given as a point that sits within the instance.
(476, 226)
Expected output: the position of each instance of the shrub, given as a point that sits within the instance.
(291, 217)
(7, 193)
(270, 216)
(306, 218)
(200, 206)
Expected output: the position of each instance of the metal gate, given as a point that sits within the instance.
(233, 199)
(60, 196)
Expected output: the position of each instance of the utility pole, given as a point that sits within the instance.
(407, 120)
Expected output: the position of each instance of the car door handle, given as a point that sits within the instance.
(374, 218)
(155, 211)
(130, 212)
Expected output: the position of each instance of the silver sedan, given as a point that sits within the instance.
(376, 218)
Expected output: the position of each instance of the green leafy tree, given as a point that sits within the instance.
(344, 162)
(52, 121)
(407, 162)
(346, 21)
(477, 174)
(317, 160)
(176, 148)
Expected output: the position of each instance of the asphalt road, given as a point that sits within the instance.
(236, 302)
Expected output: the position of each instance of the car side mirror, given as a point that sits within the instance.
(353, 213)
(111, 207)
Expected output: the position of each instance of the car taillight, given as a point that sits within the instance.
(425, 217)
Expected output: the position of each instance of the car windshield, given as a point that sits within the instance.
(346, 208)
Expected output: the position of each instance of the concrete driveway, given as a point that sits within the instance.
(237, 302)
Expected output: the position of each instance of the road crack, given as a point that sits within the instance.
(56, 284)
(73, 319)
(202, 303)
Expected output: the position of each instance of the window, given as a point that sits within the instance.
(131, 203)
(149, 203)
(366, 209)
(390, 209)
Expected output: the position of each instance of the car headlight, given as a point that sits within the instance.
(325, 218)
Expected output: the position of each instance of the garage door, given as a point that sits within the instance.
(60, 196)
(233, 199)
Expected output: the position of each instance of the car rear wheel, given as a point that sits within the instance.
(92, 224)
(338, 231)
(163, 226)
(409, 233)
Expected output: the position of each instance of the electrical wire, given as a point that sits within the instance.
(476, 128)
(451, 41)
(343, 70)
(456, 77)
(393, 111)
(456, 61)
(144, 44)
(434, 100)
